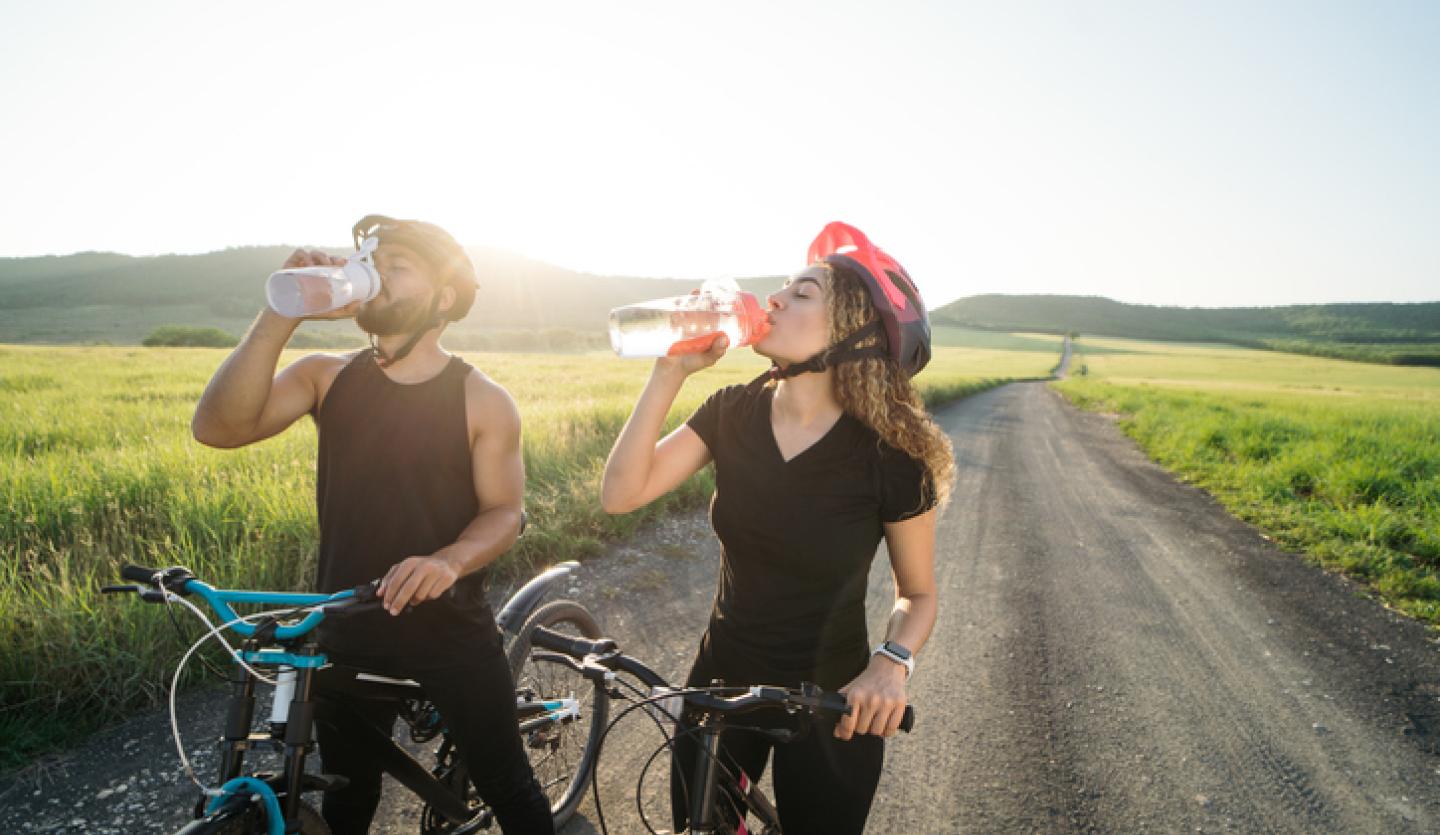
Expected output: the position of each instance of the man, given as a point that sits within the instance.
(419, 482)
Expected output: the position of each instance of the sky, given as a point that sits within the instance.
(1201, 154)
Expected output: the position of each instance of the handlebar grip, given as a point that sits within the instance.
(139, 574)
(347, 608)
(575, 647)
(836, 703)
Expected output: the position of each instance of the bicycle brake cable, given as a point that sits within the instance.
(213, 631)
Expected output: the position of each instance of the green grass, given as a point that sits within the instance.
(97, 469)
(1335, 459)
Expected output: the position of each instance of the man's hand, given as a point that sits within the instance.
(877, 700)
(414, 581)
(316, 258)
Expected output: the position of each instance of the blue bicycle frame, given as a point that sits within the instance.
(299, 722)
(294, 650)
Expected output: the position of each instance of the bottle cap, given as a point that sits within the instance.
(754, 323)
(364, 278)
(361, 271)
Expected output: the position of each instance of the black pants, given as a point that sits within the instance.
(823, 785)
(476, 696)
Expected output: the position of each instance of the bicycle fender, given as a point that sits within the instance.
(527, 599)
(274, 818)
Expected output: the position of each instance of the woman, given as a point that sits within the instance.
(814, 462)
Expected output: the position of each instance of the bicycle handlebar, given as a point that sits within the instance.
(150, 582)
(605, 653)
(809, 696)
(577, 647)
(139, 574)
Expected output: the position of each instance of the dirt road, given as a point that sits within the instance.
(1118, 654)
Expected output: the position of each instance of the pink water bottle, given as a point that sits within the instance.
(688, 324)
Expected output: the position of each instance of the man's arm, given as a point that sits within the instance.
(499, 473)
(246, 401)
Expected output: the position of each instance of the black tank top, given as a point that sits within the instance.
(394, 480)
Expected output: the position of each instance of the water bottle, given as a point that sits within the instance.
(306, 291)
(688, 324)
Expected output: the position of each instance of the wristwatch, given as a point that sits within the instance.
(897, 653)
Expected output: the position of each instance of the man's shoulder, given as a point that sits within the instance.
(325, 362)
(322, 368)
(487, 402)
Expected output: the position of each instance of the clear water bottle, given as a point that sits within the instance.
(306, 291)
(688, 324)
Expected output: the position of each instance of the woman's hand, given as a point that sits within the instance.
(687, 364)
(877, 700)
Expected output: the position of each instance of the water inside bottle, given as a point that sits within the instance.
(305, 292)
(657, 330)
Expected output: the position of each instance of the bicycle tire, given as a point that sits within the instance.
(551, 679)
(252, 822)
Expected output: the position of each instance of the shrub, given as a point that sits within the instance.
(185, 336)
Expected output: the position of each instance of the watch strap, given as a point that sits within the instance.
(907, 662)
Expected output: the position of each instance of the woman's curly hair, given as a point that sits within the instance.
(877, 392)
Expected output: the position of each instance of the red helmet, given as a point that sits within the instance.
(902, 313)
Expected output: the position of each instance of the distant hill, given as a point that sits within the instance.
(526, 304)
(90, 296)
(1375, 332)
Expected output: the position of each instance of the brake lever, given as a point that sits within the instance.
(147, 593)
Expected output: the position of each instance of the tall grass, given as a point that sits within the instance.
(1334, 459)
(97, 469)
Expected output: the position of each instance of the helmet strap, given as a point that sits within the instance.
(841, 352)
(432, 319)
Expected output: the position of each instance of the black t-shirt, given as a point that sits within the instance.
(797, 538)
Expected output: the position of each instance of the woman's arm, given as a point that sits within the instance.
(641, 470)
(877, 696)
(911, 544)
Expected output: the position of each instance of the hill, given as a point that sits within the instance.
(1406, 334)
(105, 297)
(525, 304)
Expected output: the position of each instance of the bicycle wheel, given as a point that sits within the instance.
(252, 822)
(562, 754)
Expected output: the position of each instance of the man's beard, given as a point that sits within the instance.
(397, 317)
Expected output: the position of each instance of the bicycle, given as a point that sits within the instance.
(559, 726)
(721, 802)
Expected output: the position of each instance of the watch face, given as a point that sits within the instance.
(895, 648)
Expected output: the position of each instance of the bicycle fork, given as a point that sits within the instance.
(291, 723)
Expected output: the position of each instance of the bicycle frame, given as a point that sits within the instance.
(602, 659)
(293, 652)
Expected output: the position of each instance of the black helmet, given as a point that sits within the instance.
(442, 252)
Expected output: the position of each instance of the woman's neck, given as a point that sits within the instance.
(806, 399)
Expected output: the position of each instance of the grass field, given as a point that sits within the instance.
(1339, 460)
(97, 469)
